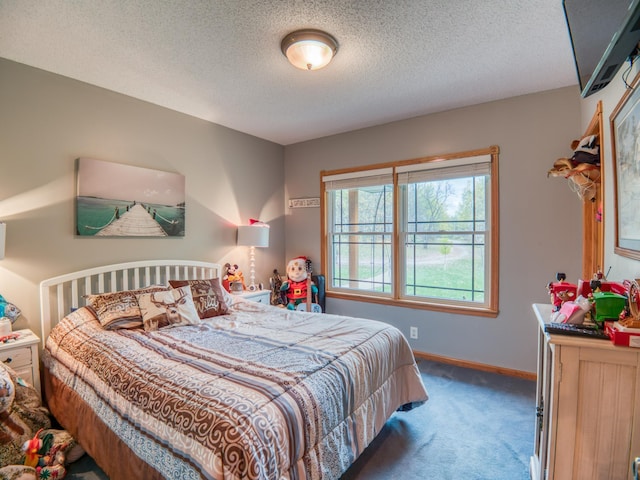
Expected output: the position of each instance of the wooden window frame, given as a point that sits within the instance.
(491, 308)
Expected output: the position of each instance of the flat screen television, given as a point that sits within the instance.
(604, 35)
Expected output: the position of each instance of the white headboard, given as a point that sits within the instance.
(60, 295)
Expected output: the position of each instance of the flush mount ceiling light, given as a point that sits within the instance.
(309, 49)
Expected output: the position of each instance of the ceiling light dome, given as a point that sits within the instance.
(309, 49)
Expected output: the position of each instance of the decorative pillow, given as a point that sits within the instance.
(207, 296)
(120, 309)
(171, 308)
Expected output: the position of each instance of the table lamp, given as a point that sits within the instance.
(256, 234)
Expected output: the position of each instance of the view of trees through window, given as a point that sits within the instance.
(444, 239)
(441, 238)
(362, 238)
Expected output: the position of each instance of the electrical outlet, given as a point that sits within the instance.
(413, 332)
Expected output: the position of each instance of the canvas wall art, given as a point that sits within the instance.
(116, 200)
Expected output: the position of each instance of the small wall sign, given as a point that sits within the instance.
(304, 202)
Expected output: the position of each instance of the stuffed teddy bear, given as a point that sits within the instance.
(295, 287)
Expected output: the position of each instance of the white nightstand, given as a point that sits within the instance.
(260, 296)
(22, 356)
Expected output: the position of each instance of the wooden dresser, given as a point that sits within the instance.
(588, 407)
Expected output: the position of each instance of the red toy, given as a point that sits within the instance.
(561, 291)
(296, 286)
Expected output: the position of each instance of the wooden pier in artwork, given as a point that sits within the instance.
(136, 222)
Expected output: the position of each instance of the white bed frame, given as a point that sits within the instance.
(62, 294)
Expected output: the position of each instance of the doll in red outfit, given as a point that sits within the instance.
(295, 287)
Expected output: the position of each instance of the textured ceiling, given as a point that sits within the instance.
(221, 60)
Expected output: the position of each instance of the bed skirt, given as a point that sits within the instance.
(90, 432)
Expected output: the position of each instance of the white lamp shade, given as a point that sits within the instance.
(256, 235)
(3, 234)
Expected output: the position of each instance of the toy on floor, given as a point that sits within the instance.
(51, 465)
(296, 286)
(47, 452)
(29, 448)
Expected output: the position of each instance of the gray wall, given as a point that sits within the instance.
(540, 218)
(47, 121)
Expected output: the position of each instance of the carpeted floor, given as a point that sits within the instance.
(475, 426)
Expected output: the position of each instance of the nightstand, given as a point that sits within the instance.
(260, 296)
(22, 356)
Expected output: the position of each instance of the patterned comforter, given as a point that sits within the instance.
(261, 393)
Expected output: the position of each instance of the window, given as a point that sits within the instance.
(361, 231)
(421, 232)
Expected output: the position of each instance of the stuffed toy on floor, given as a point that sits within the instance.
(29, 448)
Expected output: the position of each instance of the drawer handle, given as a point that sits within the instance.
(8, 360)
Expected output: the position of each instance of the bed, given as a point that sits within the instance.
(254, 392)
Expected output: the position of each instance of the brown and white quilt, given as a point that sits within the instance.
(259, 393)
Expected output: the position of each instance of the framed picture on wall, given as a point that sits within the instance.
(115, 200)
(625, 147)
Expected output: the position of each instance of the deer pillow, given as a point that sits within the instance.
(172, 308)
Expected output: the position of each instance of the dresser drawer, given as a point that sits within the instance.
(262, 298)
(258, 296)
(16, 358)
